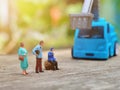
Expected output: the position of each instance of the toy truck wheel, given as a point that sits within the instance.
(72, 53)
(115, 49)
(108, 56)
(109, 53)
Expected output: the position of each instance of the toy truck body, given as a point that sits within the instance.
(99, 42)
(94, 37)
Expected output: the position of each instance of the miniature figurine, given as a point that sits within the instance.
(37, 51)
(52, 59)
(22, 52)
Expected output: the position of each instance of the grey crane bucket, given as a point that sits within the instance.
(81, 21)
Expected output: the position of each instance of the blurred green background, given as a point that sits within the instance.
(33, 20)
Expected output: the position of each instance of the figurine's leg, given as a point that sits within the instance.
(52, 65)
(24, 72)
(40, 65)
(37, 65)
(56, 65)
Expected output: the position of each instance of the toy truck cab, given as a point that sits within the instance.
(99, 42)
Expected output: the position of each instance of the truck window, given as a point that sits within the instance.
(95, 32)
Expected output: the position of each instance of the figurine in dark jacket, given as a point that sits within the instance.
(52, 59)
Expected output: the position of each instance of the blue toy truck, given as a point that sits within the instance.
(97, 43)
(94, 37)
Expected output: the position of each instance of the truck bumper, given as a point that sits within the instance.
(91, 55)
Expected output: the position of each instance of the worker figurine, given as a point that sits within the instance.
(37, 51)
(52, 59)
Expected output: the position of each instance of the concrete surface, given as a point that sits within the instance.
(73, 74)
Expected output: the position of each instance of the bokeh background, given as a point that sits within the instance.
(33, 20)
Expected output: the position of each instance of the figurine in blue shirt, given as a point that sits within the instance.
(37, 51)
(52, 59)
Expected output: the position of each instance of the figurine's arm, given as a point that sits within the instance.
(34, 50)
(21, 52)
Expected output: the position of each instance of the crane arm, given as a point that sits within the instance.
(87, 6)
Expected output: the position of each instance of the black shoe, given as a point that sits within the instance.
(36, 72)
(57, 69)
(41, 71)
(53, 69)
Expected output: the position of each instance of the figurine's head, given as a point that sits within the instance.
(41, 43)
(21, 44)
(51, 49)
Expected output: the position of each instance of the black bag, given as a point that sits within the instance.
(37, 51)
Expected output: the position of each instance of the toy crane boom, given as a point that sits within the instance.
(89, 12)
(87, 6)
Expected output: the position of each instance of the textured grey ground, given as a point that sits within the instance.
(73, 74)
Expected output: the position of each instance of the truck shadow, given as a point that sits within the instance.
(100, 60)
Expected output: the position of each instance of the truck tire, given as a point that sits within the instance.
(108, 54)
(72, 53)
(115, 50)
